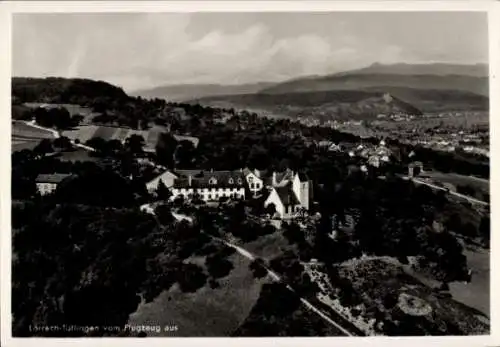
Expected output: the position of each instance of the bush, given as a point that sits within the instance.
(213, 283)
(190, 278)
(218, 266)
(258, 268)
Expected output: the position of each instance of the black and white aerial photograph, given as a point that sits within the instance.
(250, 174)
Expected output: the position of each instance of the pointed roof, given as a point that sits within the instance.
(303, 177)
(287, 195)
(285, 175)
(247, 171)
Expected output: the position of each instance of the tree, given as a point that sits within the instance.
(484, 228)
(294, 234)
(135, 143)
(191, 278)
(63, 143)
(258, 269)
(162, 192)
(44, 147)
(97, 143)
(60, 118)
(270, 209)
(218, 266)
(164, 214)
(185, 154)
(97, 186)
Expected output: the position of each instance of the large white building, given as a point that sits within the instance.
(208, 185)
(288, 191)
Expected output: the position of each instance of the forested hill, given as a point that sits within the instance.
(342, 104)
(60, 90)
(469, 78)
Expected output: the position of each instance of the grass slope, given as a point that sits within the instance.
(207, 312)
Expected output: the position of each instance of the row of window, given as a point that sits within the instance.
(46, 187)
(211, 197)
(213, 180)
(207, 190)
(255, 186)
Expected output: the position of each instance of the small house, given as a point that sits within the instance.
(47, 183)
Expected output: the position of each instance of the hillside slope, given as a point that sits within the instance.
(59, 90)
(344, 104)
(436, 69)
(470, 78)
(360, 81)
(183, 92)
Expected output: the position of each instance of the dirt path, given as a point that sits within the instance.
(56, 134)
(468, 198)
(278, 278)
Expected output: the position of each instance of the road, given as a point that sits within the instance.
(278, 278)
(57, 135)
(468, 198)
(147, 208)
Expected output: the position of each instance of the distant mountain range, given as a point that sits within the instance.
(472, 78)
(413, 89)
(358, 94)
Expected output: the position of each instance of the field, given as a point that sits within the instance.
(151, 136)
(207, 312)
(478, 184)
(475, 294)
(86, 132)
(78, 154)
(269, 246)
(72, 109)
(26, 137)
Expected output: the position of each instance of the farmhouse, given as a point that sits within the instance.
(47, 183)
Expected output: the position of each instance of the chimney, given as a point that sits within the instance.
(189, 180)
(257, 173)
(274, 178)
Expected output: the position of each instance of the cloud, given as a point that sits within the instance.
(144, 50)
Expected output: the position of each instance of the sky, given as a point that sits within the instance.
(144, 50)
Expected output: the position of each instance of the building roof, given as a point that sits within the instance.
(247, 171)
(187, 173)
(194, 140)
(282, 176)
(416, 163)
(163, 176)
(303, 177)
(51, 178)
(287, 195)
(212, 179)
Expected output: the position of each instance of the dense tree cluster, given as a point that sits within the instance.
(278, 312)
(87, 264)
(65, 91)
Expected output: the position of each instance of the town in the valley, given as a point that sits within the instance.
(348, 203)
